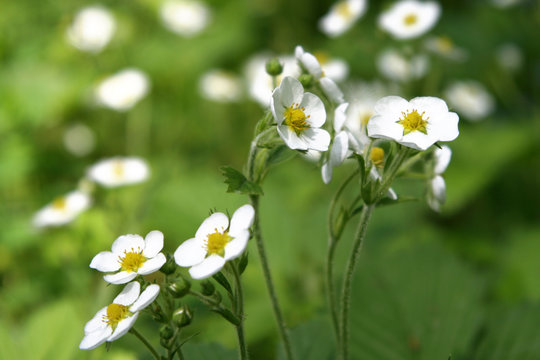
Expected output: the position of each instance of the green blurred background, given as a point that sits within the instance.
(464, 282)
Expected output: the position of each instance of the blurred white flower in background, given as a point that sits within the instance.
(119, 171)
(79, 139)
(222, 86)
(334, 68)
(509, 56)
(505, 3)
(470, 99)
(260, 85)
(62, 210)
(122, 90)
(397, 67)
(445, 47)
(92, 29)
(408, 19)
(185, 17)
(342, 16)
(436, 195)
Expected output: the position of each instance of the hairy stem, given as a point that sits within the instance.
(240, 313)
(145, 342)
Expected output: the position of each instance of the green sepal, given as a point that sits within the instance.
(238, 183)
(340, 221)
(242, 264)
(263, 124)
(369, 191)
(362, 167)
(222, 280)
(227, 315)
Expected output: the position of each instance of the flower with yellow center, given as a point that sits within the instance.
(123, 90)
(92, 29)
(342, 16)
(216, 241)
(62, 210)
(115, 320)
(119, 171)
(418, 123)
(131, 255)
(299, 116)
(408, 19)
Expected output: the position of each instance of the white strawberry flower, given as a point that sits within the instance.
(342, 16)
(122, 90)
(395, 66)
(408, 19)
(119, 171)
(131, 255)
(115, 320)
(299, 116)
(62, 210)
(216, 241)
(92, 29)
(185, 17)
(418, 123)
(471, 99)
(221, 86)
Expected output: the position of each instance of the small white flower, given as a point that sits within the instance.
(509, 56)
(445, 47)
(92, 29)
(418, 123)
(299, 116)
(395, 66)
(79, 139)
(470, 99)
(342, 16)
(122, 90)
(335, 69)
(408, 19)
(221, 86)
(131, 255)
(216, 242)
(119, 171)
(115, 320)
(185, 18)
(260, 84)
(62, 210)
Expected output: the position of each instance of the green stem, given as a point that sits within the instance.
(332, 242)
(145, 342)
(240, 313)
(347, 281)
(391, 172)
(268, 278)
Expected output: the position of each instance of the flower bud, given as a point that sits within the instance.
(377, 156)
(182, 316)
(179, 288)
(208, 288)
(169, 267)
(306, 80)
(274, 67)
(166, 332)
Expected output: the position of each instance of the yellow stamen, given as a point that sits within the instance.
(364, 119)
(115, 313)
(295, 118)
(118, 169)
(132, 261)
(410, 19)
(59, 204)
(215, 244)
(344, 9)
(413, 121)
(377, 156)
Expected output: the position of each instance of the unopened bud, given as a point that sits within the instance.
(182, 316)
(306, 80)
(166, 332)
(377, 156)
(274, 67)
(169, 267)
(208, 288)
(179, 288)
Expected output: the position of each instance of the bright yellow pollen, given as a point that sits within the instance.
(132, 261)
(118, 169)
(59, 204)
(413, 121)
(343, 9)
(295, 118)
(215, 244)
(115, 313)
(377, 156)
(410, 19)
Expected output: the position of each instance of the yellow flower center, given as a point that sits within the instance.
(118, 169)
(410, 19)
(377, 156)
(215, 244)
(59, 204)
(132, 260)
(413, 121)
(344, 9)
(116, 313)
(295, 118)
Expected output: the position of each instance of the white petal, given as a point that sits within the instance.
(448, 127)
(152, 265)
(127, 243)
(105, 261)
(418, 140)
(147, 297)
(290, 138)
(237, 245)
(331, 90)
(210, 266)
(381, 126)
(438, 188)
(392, 194)
(340, 116)
(190, 252)
(391, 105)
(121, 277)
(123, 327)
(94, 339)
(314, 109)
(96, 323)
(311, 64)
(290, 91)
(326, 173)
(153, 243)
(129, 294)
(242, 219)
(340, 148)
(442, 159)
(217, 221)
(430, 103)
(316, 139)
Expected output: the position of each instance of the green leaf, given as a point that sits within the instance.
(211, 351)
(313, 340)
(238, 183)
(222, 280)
(418, 303)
